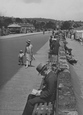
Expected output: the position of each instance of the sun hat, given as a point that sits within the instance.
(28, 41)
(41, 67)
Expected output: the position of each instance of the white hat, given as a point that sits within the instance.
(28, 41)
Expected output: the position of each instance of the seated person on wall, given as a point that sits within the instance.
(46, 92)
(68, 50)
(70, 58)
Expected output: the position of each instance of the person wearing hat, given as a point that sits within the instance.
(28, 53)
(47, 93)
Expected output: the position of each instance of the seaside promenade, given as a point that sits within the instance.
(13, 95)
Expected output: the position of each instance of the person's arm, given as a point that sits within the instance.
(23, 54)
(32, 49)
(41, 85)
(31, 53)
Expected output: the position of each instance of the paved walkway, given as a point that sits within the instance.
(13, 95)
(77, 72)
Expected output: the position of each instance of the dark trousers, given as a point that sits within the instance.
(73, 61)
(31, 101)
(20, 60)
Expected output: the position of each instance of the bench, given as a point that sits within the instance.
(47, 108)
(43, 109)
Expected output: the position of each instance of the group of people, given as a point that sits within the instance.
(46, 91)
(28, 53)
(69, 56)
(48, 86)
(54, 43)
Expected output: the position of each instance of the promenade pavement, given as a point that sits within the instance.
(77, 72)
(13, 95)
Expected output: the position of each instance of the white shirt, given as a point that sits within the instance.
(21, 54)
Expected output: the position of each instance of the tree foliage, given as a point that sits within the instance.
(50, 25)
(40, 23)
(18, 20)
(66, 25)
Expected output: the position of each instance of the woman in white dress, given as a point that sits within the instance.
(28, 53)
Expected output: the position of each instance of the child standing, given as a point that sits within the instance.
(20, 57)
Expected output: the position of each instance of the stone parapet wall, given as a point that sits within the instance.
(66, 100)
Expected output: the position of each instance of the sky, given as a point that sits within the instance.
(52, 9)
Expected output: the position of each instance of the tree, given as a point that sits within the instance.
(34, 22)
(1, 21)
(24, 20)
(50, 25)
(0, 24)
(7, 21)
(13, 20)
(37, 26)
(66, 25)
(42, 24)
(18, 20)
(77, 25)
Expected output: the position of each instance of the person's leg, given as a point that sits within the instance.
(30, 60)
(19, 61)
(30, 105)
(27, 63)
(27, 60)
(30, 63)
(31, 96)
(28, 108)
(22, 61)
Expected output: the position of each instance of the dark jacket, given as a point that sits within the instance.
(55, 47)
(50, 83)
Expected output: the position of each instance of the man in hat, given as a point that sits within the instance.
(47, 92)
(28, 53)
